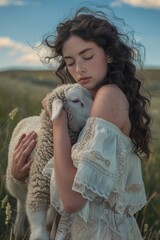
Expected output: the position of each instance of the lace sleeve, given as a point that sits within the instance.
(100, 158)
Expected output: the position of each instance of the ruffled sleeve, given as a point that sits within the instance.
(107, 167)
(100, 158)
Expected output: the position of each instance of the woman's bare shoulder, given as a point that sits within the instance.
(111, 104)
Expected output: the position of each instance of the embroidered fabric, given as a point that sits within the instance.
(106, 167)
(109, 177)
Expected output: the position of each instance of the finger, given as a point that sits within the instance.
(29, 148)
(20, 139)
(27, 166)
(24, 143)
(20, 154)
(25, 152)
(29, 137)
(46, 97)
(28, 140)
(25, 170)
(44, 101)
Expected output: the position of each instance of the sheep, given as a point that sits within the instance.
(35, 191)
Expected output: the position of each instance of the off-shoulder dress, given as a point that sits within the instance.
(109, 176)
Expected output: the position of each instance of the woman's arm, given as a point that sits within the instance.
(64, 169)
(63, 164)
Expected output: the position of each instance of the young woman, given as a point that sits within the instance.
(99, 179)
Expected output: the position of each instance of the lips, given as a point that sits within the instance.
(84, 80)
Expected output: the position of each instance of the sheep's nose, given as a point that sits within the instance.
(82, 105)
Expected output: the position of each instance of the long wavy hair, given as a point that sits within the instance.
(96, 27)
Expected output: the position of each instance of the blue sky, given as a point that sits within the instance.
(24, 22)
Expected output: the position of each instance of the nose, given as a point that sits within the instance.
(79, 67)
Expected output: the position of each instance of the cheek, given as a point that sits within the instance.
(101, 67)
(73, 73)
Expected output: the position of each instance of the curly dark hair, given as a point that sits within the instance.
(96, 27)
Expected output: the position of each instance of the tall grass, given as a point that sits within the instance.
(24, 91)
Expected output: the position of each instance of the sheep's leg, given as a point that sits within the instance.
(17, 190)
(55, 223)
(51, 215)
(52, 222)
(19, 229)
(37, 220)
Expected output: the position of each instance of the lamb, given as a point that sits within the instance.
(35, 191)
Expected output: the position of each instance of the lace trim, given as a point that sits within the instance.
(92, 180)
(92, 184)
(117, 206)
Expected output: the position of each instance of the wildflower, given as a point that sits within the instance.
(8, 213)
(4, 201)
(13, 113)
(145, 227)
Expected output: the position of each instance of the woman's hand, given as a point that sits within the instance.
(21, 164)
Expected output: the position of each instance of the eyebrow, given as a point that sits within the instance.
(80, 53)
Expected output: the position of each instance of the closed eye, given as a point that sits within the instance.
(77, 101)
(70, 64)
(87, 58)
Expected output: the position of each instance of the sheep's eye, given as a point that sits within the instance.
(75, 100)
(78, 101)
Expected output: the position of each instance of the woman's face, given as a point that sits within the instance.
(86, 62)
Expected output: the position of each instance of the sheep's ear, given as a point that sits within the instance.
(57, 106)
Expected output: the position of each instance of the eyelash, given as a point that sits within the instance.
(69, 65)
(85, 58)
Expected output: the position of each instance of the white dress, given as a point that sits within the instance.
(109, 176)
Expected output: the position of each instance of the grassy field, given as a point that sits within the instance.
(24, 90)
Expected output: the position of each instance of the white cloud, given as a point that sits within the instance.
(4, 3)
(30, 58)
(138, 3)
(19, 53)
(19, 3)
(6, 42)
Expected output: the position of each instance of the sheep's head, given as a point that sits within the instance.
(77, 102)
